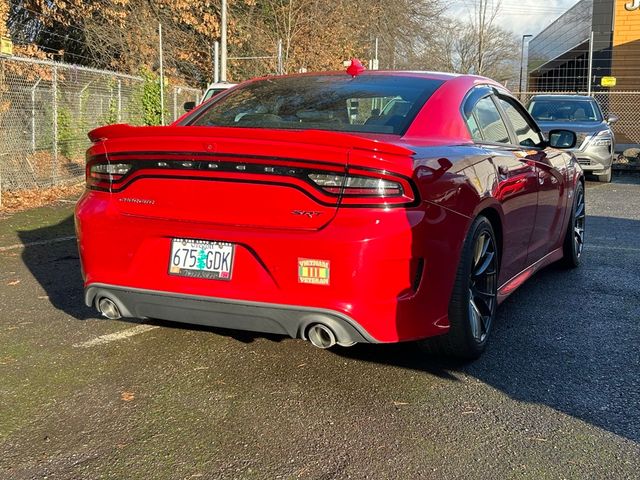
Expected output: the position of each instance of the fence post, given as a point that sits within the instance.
(590, 79)
(33, 115)
(54, 87)
(280, 66)
(175, 103)
(119, 101)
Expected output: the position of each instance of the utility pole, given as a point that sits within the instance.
(480, 38)
(216, 62)
(223, 42)
(161, 77)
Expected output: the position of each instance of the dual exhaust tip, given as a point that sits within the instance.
(320, 335)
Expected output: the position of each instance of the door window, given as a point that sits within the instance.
(489, 122)
(526, 133)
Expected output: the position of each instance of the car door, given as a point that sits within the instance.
(516, 178)
(550, 167)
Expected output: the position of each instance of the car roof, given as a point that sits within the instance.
(387, 73)
(459, 79)
(562, 97)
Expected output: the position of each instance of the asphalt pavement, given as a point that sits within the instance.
(557, 394)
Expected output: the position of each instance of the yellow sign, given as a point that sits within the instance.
(315, 272)
(6, 46)
(608, 81)
(632, 5)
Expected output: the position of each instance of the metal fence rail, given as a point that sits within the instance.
(626, 105)
(47, 108)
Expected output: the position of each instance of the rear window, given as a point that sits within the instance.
(551, 110)
(366, 103)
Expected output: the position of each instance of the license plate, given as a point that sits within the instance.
(201, 259)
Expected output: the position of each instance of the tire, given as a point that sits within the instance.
(606, 177)
(574, 237)
(473, 303)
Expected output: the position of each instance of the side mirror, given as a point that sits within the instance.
(562, 139)
(613, 118)
(188, 106)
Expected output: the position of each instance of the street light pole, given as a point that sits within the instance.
(522, 62)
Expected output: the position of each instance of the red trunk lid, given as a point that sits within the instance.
(233, 176)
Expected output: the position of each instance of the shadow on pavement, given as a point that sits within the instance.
(565, 339)
(56, 266)
(623, 179)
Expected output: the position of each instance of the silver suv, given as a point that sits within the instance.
(596, 143)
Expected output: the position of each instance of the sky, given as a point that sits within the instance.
(520, 16)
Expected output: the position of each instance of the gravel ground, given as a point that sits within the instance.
(557, 395)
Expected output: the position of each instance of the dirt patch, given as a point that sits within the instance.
(15, 201)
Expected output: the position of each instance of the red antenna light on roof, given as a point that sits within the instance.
(355, 68)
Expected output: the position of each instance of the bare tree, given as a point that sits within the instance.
(477, 46)
(483, 22)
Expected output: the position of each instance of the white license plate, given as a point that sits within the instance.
(201, 259)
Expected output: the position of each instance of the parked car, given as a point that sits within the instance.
(212, 90)
(375, 207)
(595, 147)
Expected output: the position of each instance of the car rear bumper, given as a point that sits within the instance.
(390, 270)
(293, 321)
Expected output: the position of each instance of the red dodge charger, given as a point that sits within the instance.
(338, 208)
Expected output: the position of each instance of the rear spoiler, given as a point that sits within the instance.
(313, 137)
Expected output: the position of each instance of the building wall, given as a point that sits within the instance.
(567, 32)
(626, 45)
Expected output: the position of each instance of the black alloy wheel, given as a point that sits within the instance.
(474, 299)
(575, 236)
(482, 286)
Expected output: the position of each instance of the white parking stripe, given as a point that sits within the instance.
(39, 242)
(612, 247)
(112, 337)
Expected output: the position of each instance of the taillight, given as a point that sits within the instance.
(351, 186)
(373, 189)
(105, 174)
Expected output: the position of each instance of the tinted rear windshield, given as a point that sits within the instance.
(551, 110)
(366, 103)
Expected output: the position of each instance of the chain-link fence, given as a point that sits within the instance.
(47, 108)
(626, 105)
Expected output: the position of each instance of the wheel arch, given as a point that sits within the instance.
(494, 217)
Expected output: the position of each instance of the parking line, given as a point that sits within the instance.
(113, 337)
(612, 247)
(39, 242)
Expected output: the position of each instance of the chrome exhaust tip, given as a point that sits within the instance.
(109, 309)
(321, 336)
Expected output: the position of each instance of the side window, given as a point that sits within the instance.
(490, 122)
(527, 135)
(473, 127)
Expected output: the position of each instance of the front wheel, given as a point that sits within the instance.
(473, 303)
